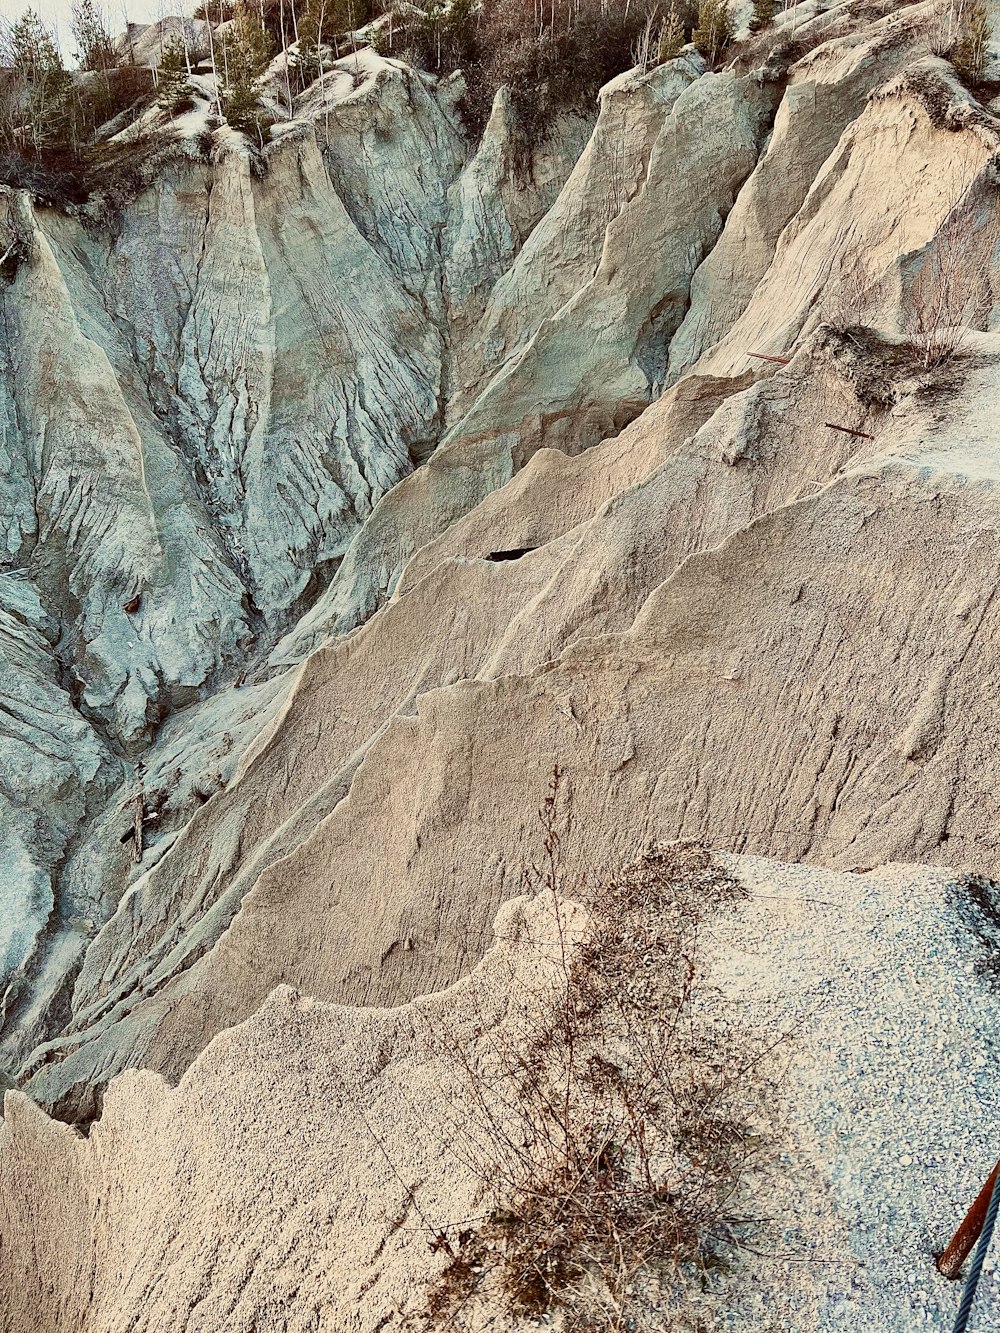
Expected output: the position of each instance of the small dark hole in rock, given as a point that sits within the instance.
(514, 554)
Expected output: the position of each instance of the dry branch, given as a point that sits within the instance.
(604, 1118)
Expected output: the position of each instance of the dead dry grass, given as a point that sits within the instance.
(611, 1129)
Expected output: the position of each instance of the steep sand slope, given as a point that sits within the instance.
(832, 568)
(205, 390)
(232, 329)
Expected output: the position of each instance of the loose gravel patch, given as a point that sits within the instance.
(889, 1103)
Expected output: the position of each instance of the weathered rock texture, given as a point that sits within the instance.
(343, 497)
(298, 1174)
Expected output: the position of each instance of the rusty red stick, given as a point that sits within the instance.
(762, 356)
(960, 1246)
(846, 430)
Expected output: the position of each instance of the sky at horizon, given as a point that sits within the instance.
(56, 14)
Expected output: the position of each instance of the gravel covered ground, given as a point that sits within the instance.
(888, 1094)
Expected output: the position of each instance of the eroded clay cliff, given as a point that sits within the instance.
(347, 493)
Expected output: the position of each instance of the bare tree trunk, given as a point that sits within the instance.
(225, 53)
(215, 67)
(284, 52)
(184, 39)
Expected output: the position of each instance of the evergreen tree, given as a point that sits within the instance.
(33, 52)
(313, 27)
(433, 25)
(763, 14)
(460, 32)
(96, 50)
(714, 31)
(248, 46)
(33, 56)
(172, 89)
(242, 109)
(349, 15)
(442, 36)
(671, 36)
(326, 21)
(247, 53)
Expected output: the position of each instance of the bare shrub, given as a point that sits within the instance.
(112, 98)
(951, 290)
(89, 27)
(57, 179)
(662, 38)
(16, 243)
(646, 48)
(552, 57)
(974, 34)
(52, 125)
(960, 32)
(941, 32)
(947, 286)
(611, 1129)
